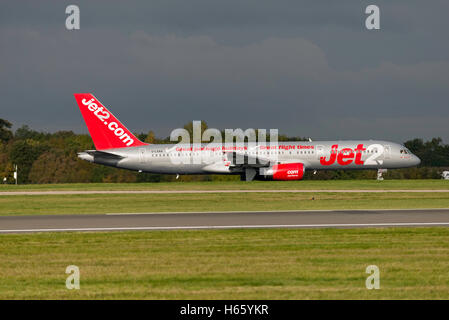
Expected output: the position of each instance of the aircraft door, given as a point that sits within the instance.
(387, 152)
(319, 151)
(142, 155)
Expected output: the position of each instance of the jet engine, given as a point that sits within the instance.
(284, 171)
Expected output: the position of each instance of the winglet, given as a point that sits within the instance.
(106, 131)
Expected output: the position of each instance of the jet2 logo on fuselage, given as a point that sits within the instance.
(347, 156)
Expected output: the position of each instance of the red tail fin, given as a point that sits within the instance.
(106, 131)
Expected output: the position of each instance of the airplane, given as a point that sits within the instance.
(117, 147)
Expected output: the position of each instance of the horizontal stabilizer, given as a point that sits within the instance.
(100, 157)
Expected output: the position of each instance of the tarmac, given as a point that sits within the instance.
(225, 220)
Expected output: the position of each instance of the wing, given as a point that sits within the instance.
(250, 166)
(242, 160)
(103, 154)
(100, 157)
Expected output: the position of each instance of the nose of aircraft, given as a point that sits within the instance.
(415, 160)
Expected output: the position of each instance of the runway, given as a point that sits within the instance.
(226, 220)
(84, 192)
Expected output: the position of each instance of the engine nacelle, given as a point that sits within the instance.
(284, 171)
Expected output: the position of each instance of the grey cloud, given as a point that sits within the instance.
(321, 76)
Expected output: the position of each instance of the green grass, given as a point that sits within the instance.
(114, 203)
(228, 264)
(240, 185)
(119, 203)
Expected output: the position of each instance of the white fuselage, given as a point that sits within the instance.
(220, 159)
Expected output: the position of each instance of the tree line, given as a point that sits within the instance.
(44, 157)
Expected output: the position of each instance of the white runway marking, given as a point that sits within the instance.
(342, 225)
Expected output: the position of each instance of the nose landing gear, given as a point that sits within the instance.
(379, 174)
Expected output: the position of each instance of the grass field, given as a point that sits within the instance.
(228, 264)
(132, 203)
(241, 185)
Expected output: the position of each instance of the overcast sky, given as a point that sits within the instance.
(307, 68)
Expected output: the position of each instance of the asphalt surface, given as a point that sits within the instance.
(226, 220)
(69, 192)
